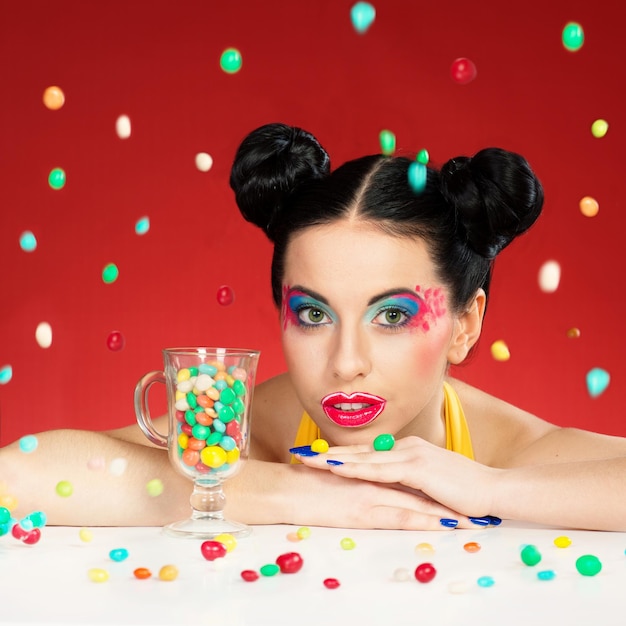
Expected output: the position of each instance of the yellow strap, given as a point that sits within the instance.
(457, 433)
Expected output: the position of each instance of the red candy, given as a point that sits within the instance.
(425, 572)
(249, 575)
(331, 583)
(289, 563)
(29, 537)
(212, 550)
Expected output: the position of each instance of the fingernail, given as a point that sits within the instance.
(495, 521)
(481, 521)
(333, 462)
(303, 451)
(449, 523)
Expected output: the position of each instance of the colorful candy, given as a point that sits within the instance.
(549, 276)
(249, 575)
(598, 380)
(122, 126)
(387, 141)
(362, 15)
(57, 178)
(384, 442)
(304, 532)
(142, 573)
(472, 546)
(546, 574)
(225, 295)
(115, 341)
(530, 555)
(154, 487)
(142, 225)
(572, 36)
(168, 573)
(347, 543)
(463, 71)
(588, 565)
(212, 550)
(28, 444)
(486, 581)
(270, 569)
(320, 446)
(231, 61)
(110, 273)
(228, 540)
(562, 542)
(204, 161)
(43, 335)
(64, 488)
(599, 128)
(28, 241)
(118, 554)
(98, 575)
(500, 351)
(589, 206)
(85, 535)
(425, 572)
(29, 537)
(401, 575)
(53, 98)
(289, 563)
(331, 583)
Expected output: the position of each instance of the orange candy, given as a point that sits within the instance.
(196, 444)
(53, 98)
(190, 457)
(204, 401)
(471, 546)
(142, 573)
(204, 419)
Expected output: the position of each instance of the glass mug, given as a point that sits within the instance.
(209, 400)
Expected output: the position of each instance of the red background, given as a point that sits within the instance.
(304, 64)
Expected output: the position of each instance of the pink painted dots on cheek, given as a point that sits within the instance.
(433, 307)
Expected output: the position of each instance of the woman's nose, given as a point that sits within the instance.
(350, 358)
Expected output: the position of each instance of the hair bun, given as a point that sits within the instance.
(271, 162)
(496, 196)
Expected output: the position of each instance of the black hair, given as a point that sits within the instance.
(468, 211)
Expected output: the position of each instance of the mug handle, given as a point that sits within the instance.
(143, 412)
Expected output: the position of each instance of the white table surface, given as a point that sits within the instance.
(47, 583)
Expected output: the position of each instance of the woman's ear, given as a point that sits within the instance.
(467, 328)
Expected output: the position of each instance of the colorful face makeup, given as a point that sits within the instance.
(355, 409)
(303, 309)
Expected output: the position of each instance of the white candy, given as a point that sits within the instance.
(122, 127)
(181, 405)
(185, 386)
(43, 335)
(549, 276)
(204, 161)
(204, 382)
(118, 466)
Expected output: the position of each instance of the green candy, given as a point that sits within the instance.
(573, 37)
(384, 442)
(227, 396)
(530, 555)
(588, 565)
(387, 142)
(423, 157)
(56, 178)
(231, 61)
(271, 569)
(110, 273)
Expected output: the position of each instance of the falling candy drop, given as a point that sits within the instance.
(362, 15)
(53, 98)
(599, 128)
(118, 466)
(115, 341)
(597, 381)
(500, 351)
(43, 335)
(589, 206)
(573, 36)
(154, 487)
(231, 61)
(387, 142)
(423, 157)
(142, 226)
(417, 174)
(28, 241)
(6, 373)
(122, 127)
(463, 71)
(573, 333)
(28, 444)
(110, 273)
(225, 295)
(56, 178)
(549, 276)
(64, 489)
(204, 161)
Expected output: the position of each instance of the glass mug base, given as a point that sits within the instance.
(206, 528)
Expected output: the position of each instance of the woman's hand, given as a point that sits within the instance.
(454, 481)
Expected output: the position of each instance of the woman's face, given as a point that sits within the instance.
(366, 331)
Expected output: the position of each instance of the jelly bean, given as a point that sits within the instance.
(424, 547)
(200, 432)
(184, 387)
(168, 573)
(549, 276)
(190, 457)
(573, 36)
(486, 581)
(98, 575)
(53, 98)
(573, 333)
(271, 569)
(320, 446)
(331, 583)
(425, 572)
(347, 544)
(28, 443)
(384, 442)
(204, 419)
(122, 127)
(240, 375)
(212, 550)
(142, 225)
(26, 524)
(227, 443)
(530, 555)
(227, 395)
(154, 487)
(249, 575)
(5, 515)
(57, 178)
(401, 575)
(239, 388)
(206, 368)
(562, 542)
(304, 532)
(190, 417)
(417, 176)
(110, 273)
(118, 466)
(387, 142)
(226, 414)
(290, 562)
(597, 381)
(293, 537)
(220, 382)
(238, 406)
(500, 351)
(232, 456)
(28, 242)
(118, 554)
(191, 400)
(6, 373)
(183, 440)
(213, 393)
(230, 543)
(195, 444)
(142, 573)
(423, 157)
(193, 371)
(37, 518)
(463, 71)
(183, 374)
(85, 535)
(599, 128)
(187, 430)
(64, 489)
(213, 456)
(471, 546)
(8, 501)
(115, 341)
(204, 161)
(215, 437)
(29, 537)
(589, 206)
(546, 574)
(231, 61)
(225, 295)
(362, 15)
(588, 565)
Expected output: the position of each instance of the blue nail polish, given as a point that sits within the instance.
(303, 451)
(449, 523)
(333, 462)
(481, 521)
(495, 521)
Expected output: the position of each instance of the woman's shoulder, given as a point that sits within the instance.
(498, 429)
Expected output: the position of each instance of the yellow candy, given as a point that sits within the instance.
(183, 374)
(85, 535)
(64, 489)
(183, 440)
(168, 572)
(589, 206)
(562, 542)
(320, 445)
(347, 543)
(154, 487)
(304, 532)
(53, 98)
(232, 456)
(227, 540)
(213, 456)
(98, 575)
(599, 128)
(424, 547)
(8, 502)
(500, 351)
(180, 395)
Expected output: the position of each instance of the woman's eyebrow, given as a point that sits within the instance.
(308, 292)
(399, 291)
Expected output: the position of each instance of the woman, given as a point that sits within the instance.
(381, 273)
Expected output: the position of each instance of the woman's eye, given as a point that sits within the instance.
(391, 317)
(311, 316)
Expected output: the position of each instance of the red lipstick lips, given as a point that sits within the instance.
(355, 409)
